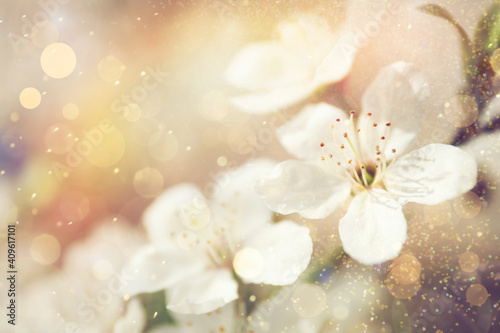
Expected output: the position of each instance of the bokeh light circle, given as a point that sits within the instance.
(461, 111)
(148, 182)
(248, 263)
(110, 68)
(58, 60)
(30, 98)
(70, 111)
(477, 294)
(45, 249)
(468, 261)
(467, 205)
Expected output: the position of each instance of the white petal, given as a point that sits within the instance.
(303, 135)
(337, 63)
(431, 174)
(275, 99)
(182, 207)
(398, 95)
(283, 251)
(304, 188)
(235, 205)
(203, 293)
(266, 66)
(374, 228)
(220, 320)
(134, 319)
(152, 269)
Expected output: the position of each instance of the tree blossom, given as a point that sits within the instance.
(197, 245)
(364, 158)
(282, 72)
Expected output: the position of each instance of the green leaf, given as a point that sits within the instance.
(488, 30)
(440, 11)
(400, 317)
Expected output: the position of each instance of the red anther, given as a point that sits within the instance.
(359, 130)
(322, 144)
(353, 112)
(382, 138)
(350, 161)
(362, 167)
(393, 150)
(378, 153)
(378, 159)
(342, 146)
(369, 114)
(331, 156)
(338, 120)
(322, 158)
(374, 124)
(338, 163)
(388, 124)
(345, 135)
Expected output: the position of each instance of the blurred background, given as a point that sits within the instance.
(106, 103)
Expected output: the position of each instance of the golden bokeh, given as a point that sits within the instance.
(45, 249)
(30, 98)
(70, 111)
(467, 205)
(110, 68)
(439, 214)
(58, 60)
(461, 111)
(148, 182)
(248, 263)
(477, 294)
(108, 152)
(468, 261)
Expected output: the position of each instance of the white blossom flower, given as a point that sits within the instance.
(282, 72)
(347, 158)
(197, 245)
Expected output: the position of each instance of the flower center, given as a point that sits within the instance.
(358, 154)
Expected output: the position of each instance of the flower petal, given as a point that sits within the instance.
(275, 99)
(182, 207)
(203, 293)
(337, 63)
(304, 188)
(134, 319)
(280, 251)
(374, 228)
(235, 205)
(152, 269)
(266, 66)
(303, 135)
(398, 95)
(431, 174)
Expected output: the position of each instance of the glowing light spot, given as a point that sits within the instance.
(195, 215)
(309, 300)
(45, 249)
(468, 261)
(148, 182)
(30, 98)
(110, 68)
(222, 161)
(102, 269)
(58, 60)
(44, 33)
(477, 294)
(248, 263)
(462, 111)
(468, 205)
(14, 117)
(70, 111)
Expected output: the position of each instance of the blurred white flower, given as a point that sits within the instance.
(360, 159)
(85, 296)
(282, 72)
(196, 245)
